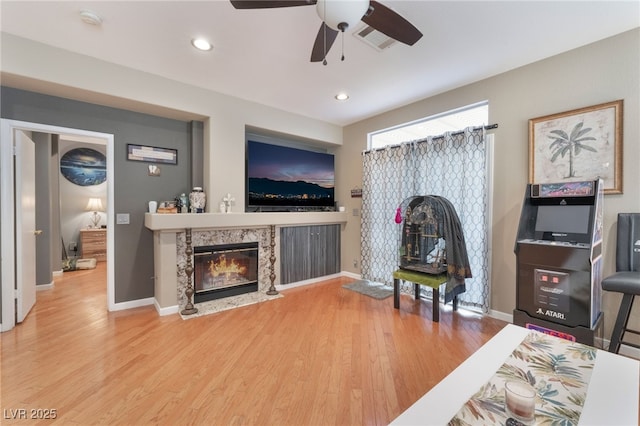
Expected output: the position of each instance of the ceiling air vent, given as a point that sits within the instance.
(374, 38)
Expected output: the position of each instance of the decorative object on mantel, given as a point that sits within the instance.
(222, 207)
(167, 207)
(272, 260)
(153, 206)
(197, 200)
(184, 203)
(189, 309)
(94, 205)
(228, 199)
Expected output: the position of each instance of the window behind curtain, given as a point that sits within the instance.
(456, 167)
(450, 121)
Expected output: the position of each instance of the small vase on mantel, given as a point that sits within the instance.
(197, 200)
(184, 203)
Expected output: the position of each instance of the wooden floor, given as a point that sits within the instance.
(321, 355)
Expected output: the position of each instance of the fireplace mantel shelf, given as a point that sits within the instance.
(181, 221)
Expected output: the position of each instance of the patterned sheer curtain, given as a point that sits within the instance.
(453, 166)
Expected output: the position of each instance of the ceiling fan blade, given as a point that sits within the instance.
(385, 20)
(324, 40)
(266, 4)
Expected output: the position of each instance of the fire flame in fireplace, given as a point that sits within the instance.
(225, 267)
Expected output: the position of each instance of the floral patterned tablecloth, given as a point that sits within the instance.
(558, 369)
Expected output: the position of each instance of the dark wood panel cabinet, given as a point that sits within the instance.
(308, 252)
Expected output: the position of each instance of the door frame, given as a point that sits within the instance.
(7, 203)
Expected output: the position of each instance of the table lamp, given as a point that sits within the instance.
(95, 205)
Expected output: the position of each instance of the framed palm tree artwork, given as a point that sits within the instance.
(578, 145)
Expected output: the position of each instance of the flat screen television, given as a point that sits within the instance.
(283, 178)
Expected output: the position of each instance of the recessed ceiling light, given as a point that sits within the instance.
(201, 44)
(342, 96)
(89, 17)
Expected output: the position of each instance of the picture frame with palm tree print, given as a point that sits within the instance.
(578, 145)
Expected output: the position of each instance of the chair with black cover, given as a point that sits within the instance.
(626, 280)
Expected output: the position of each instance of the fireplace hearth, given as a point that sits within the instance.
(225, 270)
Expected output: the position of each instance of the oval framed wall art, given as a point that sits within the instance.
(84, 166)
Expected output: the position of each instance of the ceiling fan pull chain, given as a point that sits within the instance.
(324, 27)
(324, 59)
(342, 26)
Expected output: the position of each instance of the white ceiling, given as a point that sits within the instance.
(263, 55)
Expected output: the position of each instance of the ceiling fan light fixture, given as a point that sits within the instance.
(201, 44)
(337, 13)
(341, 97)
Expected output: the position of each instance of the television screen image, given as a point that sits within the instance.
(281, 177)
(569, 219)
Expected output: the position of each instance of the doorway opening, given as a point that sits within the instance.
(9, 233)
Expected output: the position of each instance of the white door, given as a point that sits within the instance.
(25, 181)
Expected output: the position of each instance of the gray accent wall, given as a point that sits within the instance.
(133, 187)
(197, 154)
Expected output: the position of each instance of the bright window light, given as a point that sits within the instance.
(435, 125)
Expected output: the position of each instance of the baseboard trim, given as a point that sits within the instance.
(58, 273)
(168, 310)
(281, 287)
(628, 351)
(351, 275)
(41, 287)
(121, 306)
(501, 316)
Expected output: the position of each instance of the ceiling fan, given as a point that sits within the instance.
(338, 15)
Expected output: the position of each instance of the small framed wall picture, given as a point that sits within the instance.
(154, 170)
(152, 154)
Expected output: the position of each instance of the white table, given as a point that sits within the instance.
(612, 398)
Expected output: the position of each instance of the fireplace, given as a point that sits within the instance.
(225, 270)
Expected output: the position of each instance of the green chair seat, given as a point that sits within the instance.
(418, 279)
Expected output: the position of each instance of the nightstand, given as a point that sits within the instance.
(93, 244)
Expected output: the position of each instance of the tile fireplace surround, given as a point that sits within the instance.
(214, 237)
(169, 242)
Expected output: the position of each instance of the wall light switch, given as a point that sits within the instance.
(122, 219)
